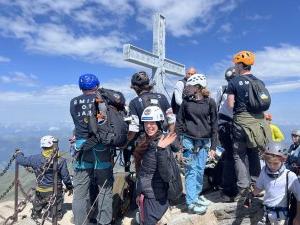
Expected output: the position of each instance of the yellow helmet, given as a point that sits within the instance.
(245, 57)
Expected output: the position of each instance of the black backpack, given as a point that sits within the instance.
(175, 184)
(174, 105)
(259, 96)
(150, 99)
(113, 131)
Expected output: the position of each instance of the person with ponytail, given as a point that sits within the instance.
(197, 126)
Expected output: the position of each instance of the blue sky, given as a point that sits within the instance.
(46, 45)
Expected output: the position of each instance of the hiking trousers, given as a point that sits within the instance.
(247, 163)
(41, 200)
(195, 152)
(228, 172)
(85, 194)
(154, 209)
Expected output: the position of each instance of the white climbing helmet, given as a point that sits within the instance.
(296, 132)
(47, 141)
(152, 113)
(197, 78)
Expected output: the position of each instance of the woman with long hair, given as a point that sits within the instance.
(197, 126)
(153, 173)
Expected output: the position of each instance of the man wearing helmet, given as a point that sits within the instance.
(275, 179)
(250, 130)
(93, 168)
(225, 115)
(293, 161)
(44, 188)
(177, 95)
(140, 83)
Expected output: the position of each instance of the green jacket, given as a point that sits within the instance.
(256, 128)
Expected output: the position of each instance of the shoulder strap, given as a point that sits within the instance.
(219, 103)
(287, 189)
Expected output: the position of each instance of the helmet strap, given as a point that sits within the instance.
(276, 174)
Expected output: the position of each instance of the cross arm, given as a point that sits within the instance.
(139, 56)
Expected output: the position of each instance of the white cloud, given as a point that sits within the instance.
(258, 17)
(185, 18)
(53, 128)
(19, 78)
(284, 86)
(278, 62)
(92, 31)
(60, 36)
(272, 64)
(225, 28)
(50, 104)
(4, 59)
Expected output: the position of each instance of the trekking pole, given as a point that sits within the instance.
(16, 191)
(55, 174)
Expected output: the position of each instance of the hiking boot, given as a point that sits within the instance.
(195, 209)
(226, 198)
(202, 201)
(36, 215)
(59, 216)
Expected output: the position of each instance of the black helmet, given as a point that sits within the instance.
(140, 79)
(229, 73)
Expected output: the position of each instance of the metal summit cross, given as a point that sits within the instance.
(156, 60)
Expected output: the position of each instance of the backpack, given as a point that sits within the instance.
(113, 131)
(175, 184)
(149, 99)
(259, 96)
(174, 105)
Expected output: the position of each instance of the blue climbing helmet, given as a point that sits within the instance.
(88, 81)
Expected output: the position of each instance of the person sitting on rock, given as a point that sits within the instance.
(277, 181)
(43, 169)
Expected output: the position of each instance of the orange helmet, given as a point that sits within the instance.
(245, 57)
(268, 116)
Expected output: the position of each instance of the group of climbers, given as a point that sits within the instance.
(155, 134)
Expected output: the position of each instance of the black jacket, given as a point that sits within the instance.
(154, 173)
(198, 119)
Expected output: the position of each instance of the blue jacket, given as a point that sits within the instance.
(36, 162)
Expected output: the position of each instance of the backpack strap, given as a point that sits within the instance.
(288, 197)
(220, 100)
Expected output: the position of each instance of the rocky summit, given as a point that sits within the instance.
(218, 213)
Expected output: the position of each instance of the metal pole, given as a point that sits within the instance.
(16, 191)
(55, 176)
